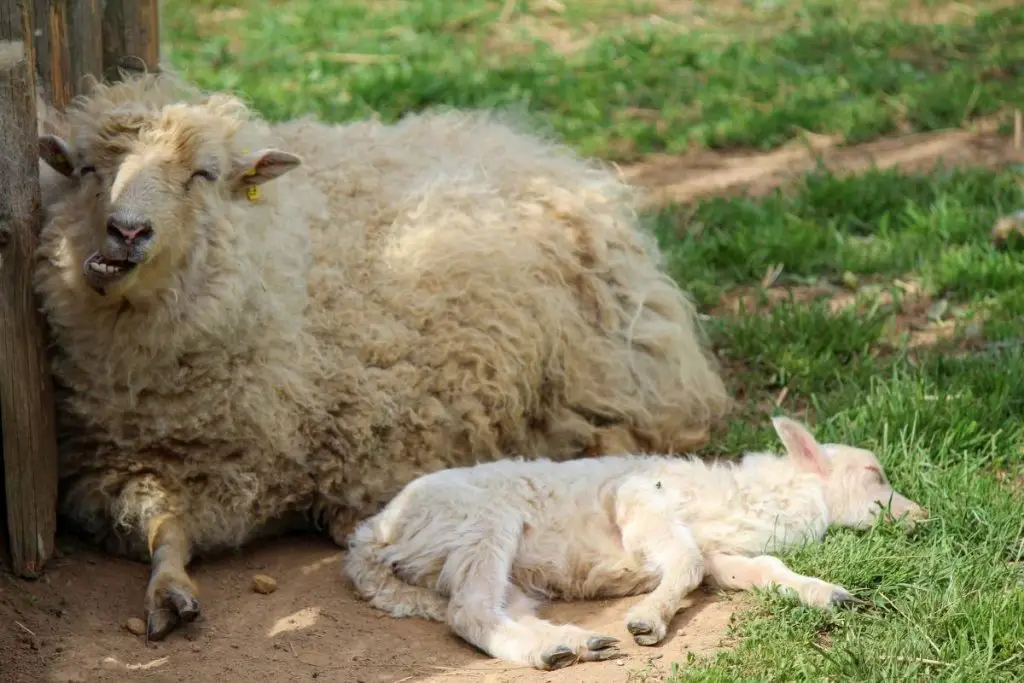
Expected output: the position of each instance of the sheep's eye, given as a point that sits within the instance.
(85, 170)
(202, 173)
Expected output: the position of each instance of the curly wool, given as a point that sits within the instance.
(428, 294)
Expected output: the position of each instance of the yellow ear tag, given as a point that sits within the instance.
(252, 192)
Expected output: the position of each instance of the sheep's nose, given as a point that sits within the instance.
(128, 231)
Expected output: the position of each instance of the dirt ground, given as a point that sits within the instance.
(69, 626)
(683, 178)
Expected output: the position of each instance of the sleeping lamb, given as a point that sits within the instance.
(474, 546)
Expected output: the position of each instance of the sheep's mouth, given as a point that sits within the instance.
(101, 271)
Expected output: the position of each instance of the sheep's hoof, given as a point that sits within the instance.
(161, 622)
(558, 657)
(169, 608)
(645, 633)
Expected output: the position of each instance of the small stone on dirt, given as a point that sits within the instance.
(261, 583)
(136, 626)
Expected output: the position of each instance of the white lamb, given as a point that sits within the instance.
(474, 546)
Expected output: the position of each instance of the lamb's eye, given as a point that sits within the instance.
(85, 170)
(204, 174)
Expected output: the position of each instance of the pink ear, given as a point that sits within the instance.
(801, 445)
(264, 165)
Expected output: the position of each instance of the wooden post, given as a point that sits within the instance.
(5, 543)
(131, 36)
(53, 59)
(85, 41)
(26, 388)
(69, 45)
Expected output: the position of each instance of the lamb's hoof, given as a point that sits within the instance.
(839, 596)
(599, 649)
(169, 606)
(558, 657)
(645, 633)
(600, 642)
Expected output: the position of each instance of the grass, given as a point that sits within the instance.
(903, 331)
(944, 604)
(607, 77)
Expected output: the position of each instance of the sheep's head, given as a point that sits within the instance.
(856, 488)
(157, 182)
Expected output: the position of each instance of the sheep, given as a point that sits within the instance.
(265, 327)
(475, 547)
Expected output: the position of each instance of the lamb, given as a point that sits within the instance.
(261, 327)
(474, 547)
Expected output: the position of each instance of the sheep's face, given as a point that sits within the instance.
(856, 488)
(159, 182)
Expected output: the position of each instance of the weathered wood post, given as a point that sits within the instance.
(68, 46)
(26, 390)
(131, 35)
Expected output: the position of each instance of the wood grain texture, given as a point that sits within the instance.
(29, 446)
(85, 42)
(131, 36)
(53, 59)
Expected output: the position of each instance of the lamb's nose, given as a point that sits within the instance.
(129, 231)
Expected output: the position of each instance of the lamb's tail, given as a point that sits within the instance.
(375, 581)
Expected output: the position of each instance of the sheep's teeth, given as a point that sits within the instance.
(104, 268)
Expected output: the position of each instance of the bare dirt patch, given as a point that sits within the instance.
(70, 626)
(917, 319)
(677, 179)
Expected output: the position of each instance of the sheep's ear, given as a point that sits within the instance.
(266, 164)
(57, 155)
(801, 445)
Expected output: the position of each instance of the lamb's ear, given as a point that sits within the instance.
(57, 155)
(266, 164)
(801, 445)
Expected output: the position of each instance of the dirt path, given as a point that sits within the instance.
(69, 626)
(683, 178)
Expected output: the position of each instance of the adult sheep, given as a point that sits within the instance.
(245, 341)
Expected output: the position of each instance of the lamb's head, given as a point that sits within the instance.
(856, 488)
(155, 185)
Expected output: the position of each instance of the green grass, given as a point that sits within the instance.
(933, 380)
(606, 76)
(946, 603)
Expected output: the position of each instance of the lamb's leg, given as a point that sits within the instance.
(589, 645)
(172, 597)
(478, 574)
(743, 573)
(669, 549)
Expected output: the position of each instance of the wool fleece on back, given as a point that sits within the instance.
(259, 326)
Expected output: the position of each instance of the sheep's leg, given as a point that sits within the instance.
(478, 572)
(171, 598)
(670, 550)
(743, 573)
